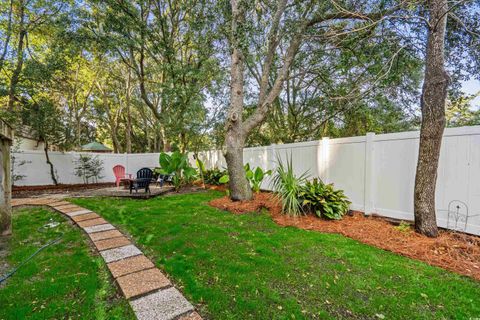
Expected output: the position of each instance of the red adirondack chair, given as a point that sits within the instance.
(119, 172)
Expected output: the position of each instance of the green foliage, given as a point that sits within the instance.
(214, 176)
(323, 200)
(189, 174)
(287, 187)
(224, 179)
(177, 165)
(89, 168)
(298, 195)
(255, 177)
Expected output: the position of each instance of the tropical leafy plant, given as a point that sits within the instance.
(323, 200)
(287, 187)
(189, 174)
(224, 179)
(177, 165)
(255, 177)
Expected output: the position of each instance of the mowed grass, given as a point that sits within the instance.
(64, 281)
(248, 267)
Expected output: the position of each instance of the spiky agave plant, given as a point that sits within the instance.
(287, 186)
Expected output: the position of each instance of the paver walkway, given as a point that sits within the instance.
(148, 290)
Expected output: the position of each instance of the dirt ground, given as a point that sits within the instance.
(457, 252)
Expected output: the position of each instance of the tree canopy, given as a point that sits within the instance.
(144, 76)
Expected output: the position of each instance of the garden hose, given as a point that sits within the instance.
(48, 244)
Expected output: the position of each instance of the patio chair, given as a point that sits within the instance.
(144, 177)
(161, 178)
(119, 172)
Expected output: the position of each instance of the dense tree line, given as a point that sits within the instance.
(151, 75)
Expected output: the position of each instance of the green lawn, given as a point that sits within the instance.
(64, 281)
(247, 267)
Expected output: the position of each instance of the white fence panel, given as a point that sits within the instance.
(377, 172)
(37, 171)
(346, 168)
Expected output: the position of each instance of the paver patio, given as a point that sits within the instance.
(149, 291)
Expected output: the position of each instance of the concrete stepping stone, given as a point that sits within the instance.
(142, 282)
(111, 243)
(66, 206)
(58, 203)
(98, 228)
(129, 265)
(77, 213)
(85, 216)
(120, 253)
(105, 235)
(71, 209)
(91, 222)
(166, 304)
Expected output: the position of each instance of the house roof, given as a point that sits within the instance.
(95, 146)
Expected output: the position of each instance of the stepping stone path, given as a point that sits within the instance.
(149, 292)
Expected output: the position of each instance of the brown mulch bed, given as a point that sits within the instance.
(28, 191)
(453, 251)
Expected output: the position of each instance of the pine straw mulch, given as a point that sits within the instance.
(453, 251)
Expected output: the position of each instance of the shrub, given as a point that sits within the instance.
(89, 168)
(287, 186)
(212, 176)
(323, 200)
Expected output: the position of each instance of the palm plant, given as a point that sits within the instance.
(287, 186)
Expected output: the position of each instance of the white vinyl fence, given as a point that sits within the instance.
(37, 172)
(377, 172)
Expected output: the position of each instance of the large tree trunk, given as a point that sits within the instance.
(235, 138)
(238, 184)
(5, 188)
(117, 146)
(434, 95)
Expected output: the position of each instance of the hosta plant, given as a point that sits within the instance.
(213, 176)
(323, 200)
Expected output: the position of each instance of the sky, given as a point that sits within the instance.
(471, 87)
